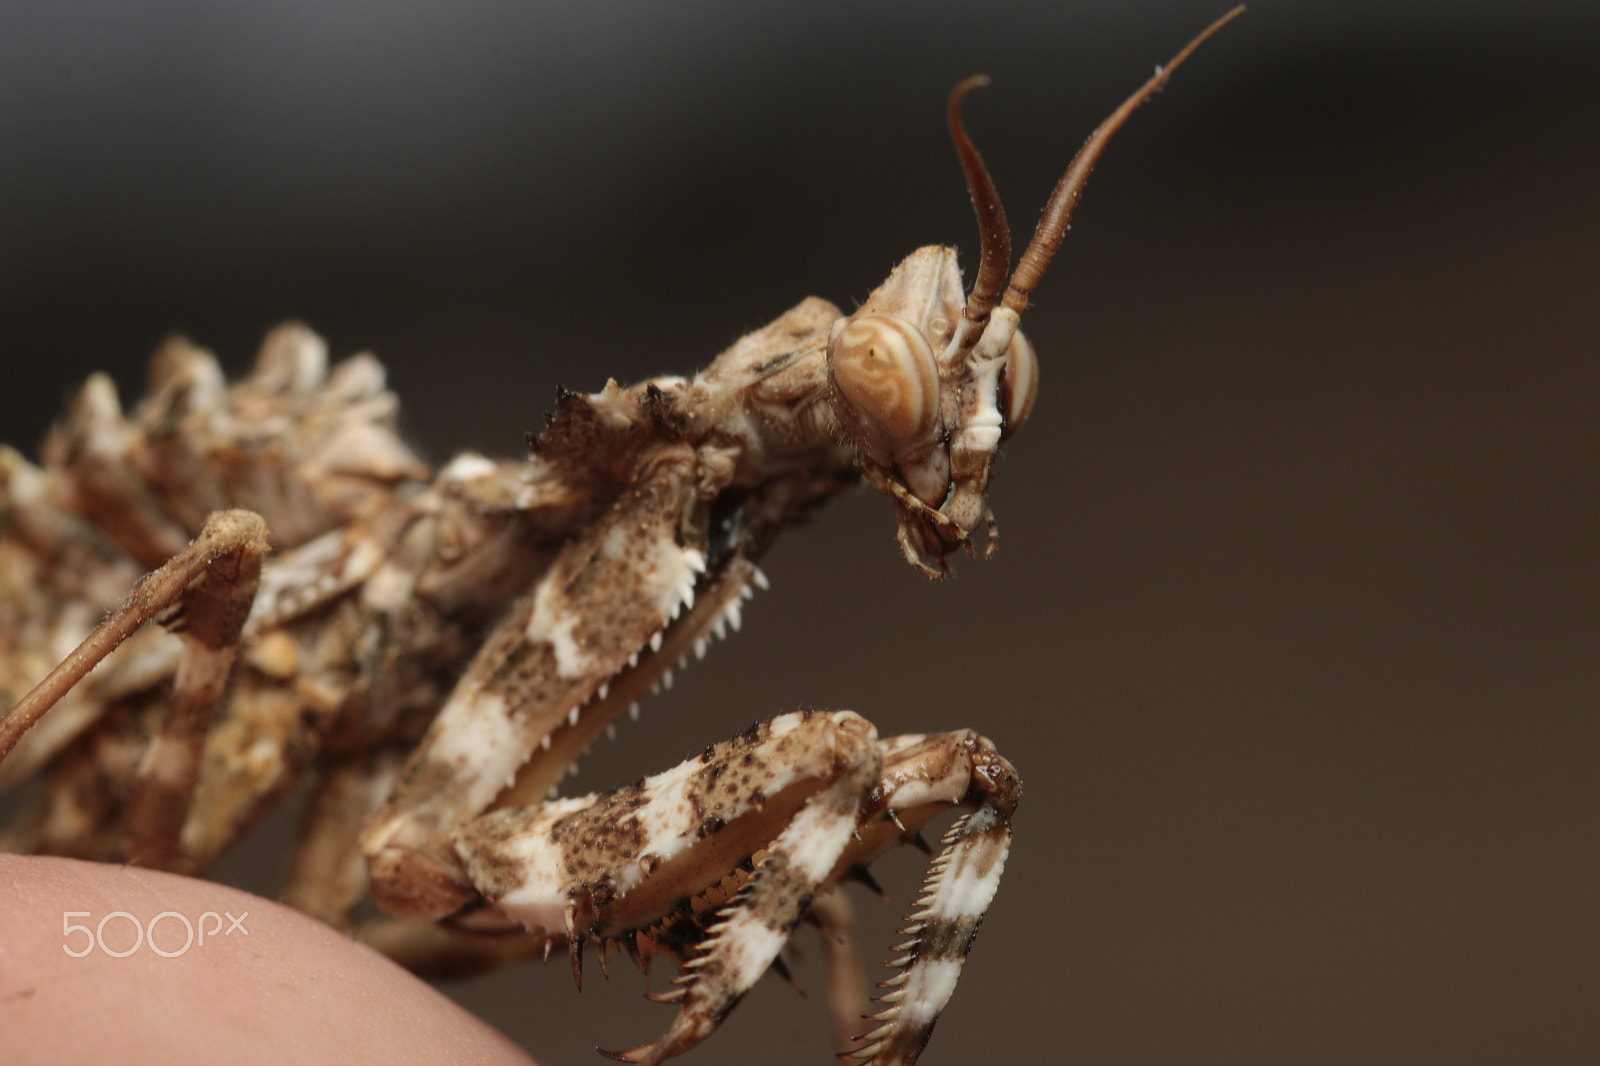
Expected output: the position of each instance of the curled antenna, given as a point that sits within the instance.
(1058, 212)
(994, 235)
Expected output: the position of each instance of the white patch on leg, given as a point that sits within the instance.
(815, 838)
(553, 623)
(928, 989)
(666, 579)
(746, 945)
(479, 731)
(964, 890)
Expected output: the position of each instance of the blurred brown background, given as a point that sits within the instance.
(1293, 629)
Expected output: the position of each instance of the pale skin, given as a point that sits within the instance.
(292, 989)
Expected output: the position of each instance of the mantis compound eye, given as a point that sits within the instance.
(886, 370)
(1019, 383)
